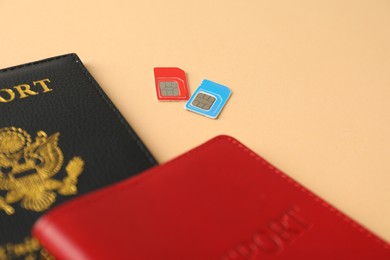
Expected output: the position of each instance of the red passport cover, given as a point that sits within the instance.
(218, 201)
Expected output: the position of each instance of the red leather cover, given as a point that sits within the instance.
(218, 201)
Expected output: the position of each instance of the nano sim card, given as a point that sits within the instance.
(171, 84)
(209, 99)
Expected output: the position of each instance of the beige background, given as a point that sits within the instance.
(310, 79)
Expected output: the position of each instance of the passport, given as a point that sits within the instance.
(60, 137)
(217, 201)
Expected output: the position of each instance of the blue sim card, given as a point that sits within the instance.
(209, 99)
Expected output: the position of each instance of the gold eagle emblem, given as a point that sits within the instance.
(27, 168)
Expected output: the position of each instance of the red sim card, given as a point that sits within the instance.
(171, 84)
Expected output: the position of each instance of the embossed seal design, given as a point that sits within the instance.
(27, 168)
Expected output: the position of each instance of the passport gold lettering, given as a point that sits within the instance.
(24, 90)
(27, 170)
(272, 238)
(6, 95)
(43, 84)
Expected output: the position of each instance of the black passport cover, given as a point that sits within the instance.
(60, 136)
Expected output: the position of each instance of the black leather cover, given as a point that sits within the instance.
(60, 136)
